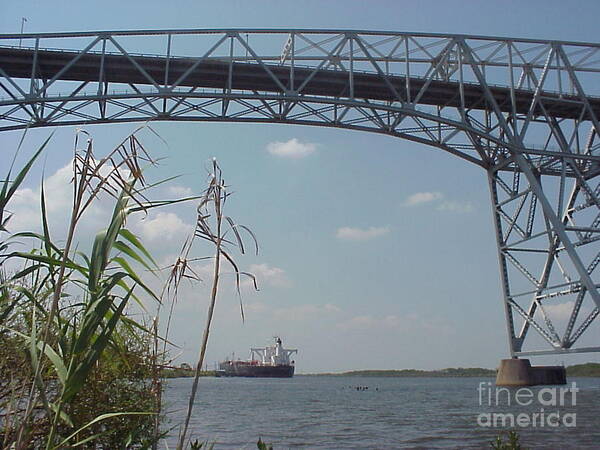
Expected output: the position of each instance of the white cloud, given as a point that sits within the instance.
(454, 206)
(271, 313)
(419, 198)
(164, 226)
(25, 209)
(300, 312)
(180, 191)
(265, 274)
(359, 234)
(409, 323)
(368, 322)
(559, 311)
(331, 308)
(291, 149)
(25, 197)
(562, 311)
(58, 189)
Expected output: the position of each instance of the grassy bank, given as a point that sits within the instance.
(185, 373)
(584, 370)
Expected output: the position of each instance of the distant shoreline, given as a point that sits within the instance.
(578, 370)
(410, 373)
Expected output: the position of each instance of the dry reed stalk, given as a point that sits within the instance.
(212, 225)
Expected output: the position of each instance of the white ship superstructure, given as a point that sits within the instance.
(272, 361)
(274, 355)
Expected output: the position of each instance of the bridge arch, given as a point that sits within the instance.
(523, 110)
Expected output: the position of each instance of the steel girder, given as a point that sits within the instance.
(524, 110)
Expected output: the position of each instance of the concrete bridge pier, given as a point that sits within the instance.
(520, 372)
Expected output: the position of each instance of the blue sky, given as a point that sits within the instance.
(375, 252)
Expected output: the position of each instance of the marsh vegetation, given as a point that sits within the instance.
(77, 369)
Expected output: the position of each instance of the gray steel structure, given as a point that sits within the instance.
(526, 111)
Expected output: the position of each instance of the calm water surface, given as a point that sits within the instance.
(329, 413)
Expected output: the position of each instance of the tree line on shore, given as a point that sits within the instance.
(579, 370)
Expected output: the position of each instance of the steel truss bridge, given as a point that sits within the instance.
(525, 111)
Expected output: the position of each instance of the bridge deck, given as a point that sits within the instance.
(214, 73)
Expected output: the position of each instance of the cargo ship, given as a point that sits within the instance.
(267, 362)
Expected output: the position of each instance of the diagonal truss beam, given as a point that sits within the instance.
(524, 110)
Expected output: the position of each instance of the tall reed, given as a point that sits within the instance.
(66, 309)
(213, 226)
(76, 369)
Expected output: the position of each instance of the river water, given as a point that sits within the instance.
(331, 413)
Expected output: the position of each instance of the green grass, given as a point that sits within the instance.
(185, 373)
(76, 368)
(584, 370)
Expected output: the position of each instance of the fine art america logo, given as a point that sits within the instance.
(538, 408)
